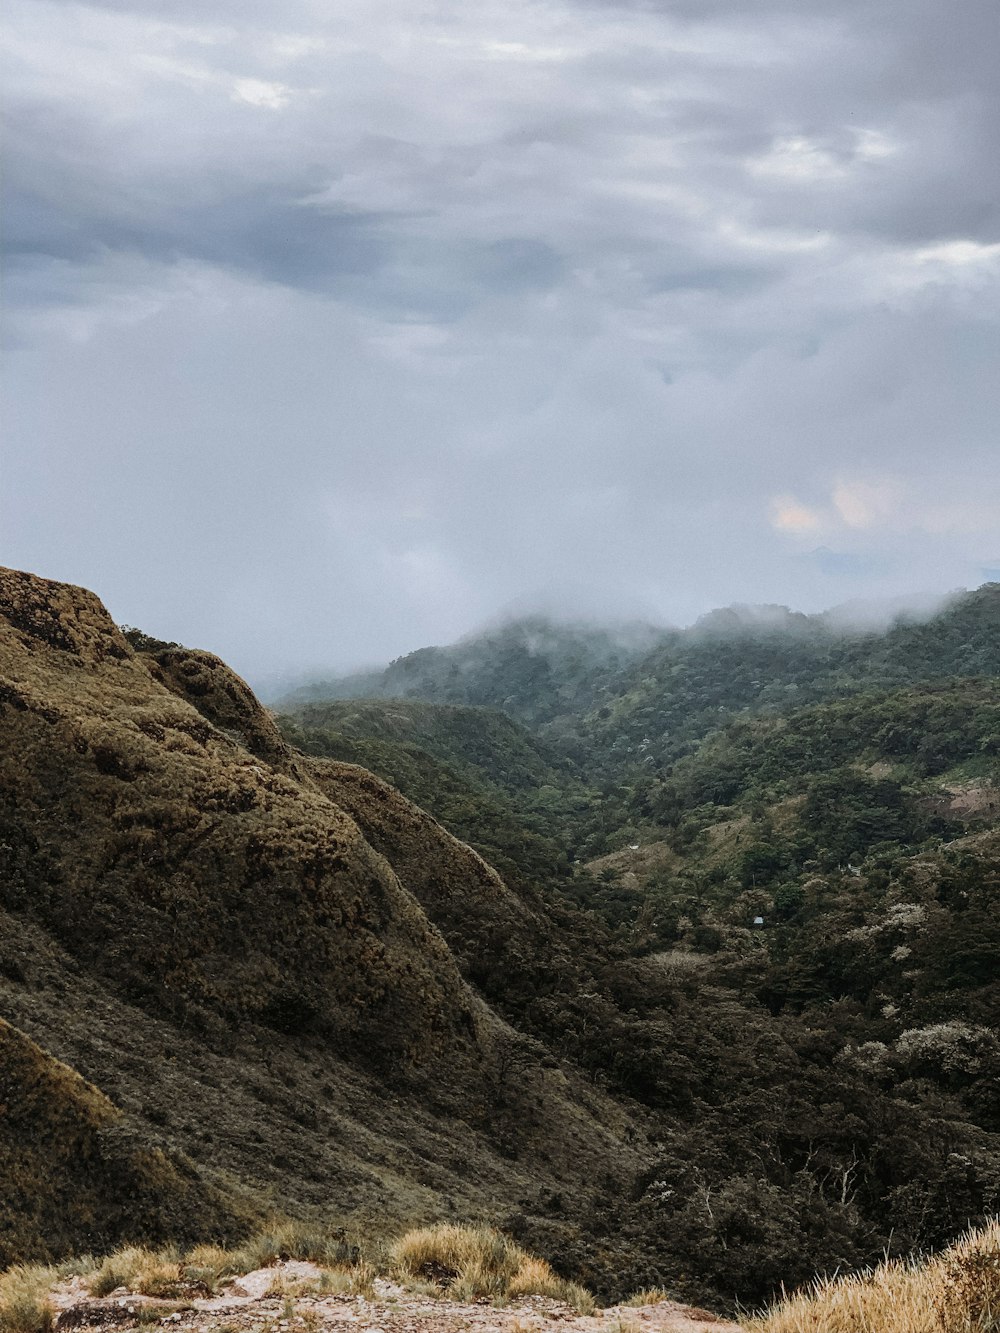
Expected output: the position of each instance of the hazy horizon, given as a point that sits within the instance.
(331, 333)
(874, 616)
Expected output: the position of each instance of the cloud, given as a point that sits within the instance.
(789, 515)
(363, 323)
(863, 504)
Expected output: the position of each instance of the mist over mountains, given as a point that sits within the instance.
(674, 957)
(563, 646)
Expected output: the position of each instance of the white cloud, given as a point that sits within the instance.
(791, 516)
(865, 504)
(541, 293)
(794, 157)
(259, 92)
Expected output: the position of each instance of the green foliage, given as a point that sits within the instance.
(487, 779)
(681, 1100)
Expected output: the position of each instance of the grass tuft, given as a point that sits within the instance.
(476, 1263)
(149, 1272)
(648, 1296)
(25, 1306)
(956, 1292)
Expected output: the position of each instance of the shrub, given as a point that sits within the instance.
(25, 1306)
(957, 1292)
(472, 1262)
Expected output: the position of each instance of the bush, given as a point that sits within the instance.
(958, 1292)
(25, 1306)
(471, 1262)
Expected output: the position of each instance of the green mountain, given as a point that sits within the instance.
(489, 780)
(247, 969)
(535, 670)
(661, 706)
(646, 697)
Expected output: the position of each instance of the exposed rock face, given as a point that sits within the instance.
(231, 942)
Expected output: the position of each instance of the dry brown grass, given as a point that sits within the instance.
(457, 1263)
(148, 1272)
(534, 1277)
(648, 1296)
(24, 1300)
(472, 1262)
(956, 1292)
(168, 1272)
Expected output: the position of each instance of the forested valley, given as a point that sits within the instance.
(775, 843)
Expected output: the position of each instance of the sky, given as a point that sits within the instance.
(334, 330)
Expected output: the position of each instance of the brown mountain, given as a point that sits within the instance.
(236, 981)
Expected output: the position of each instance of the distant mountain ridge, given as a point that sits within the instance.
(533, 669)
(606, 702)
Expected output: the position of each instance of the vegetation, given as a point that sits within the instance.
(268, 974)
(958, 1292)
(470, 1262)
(840, 786)
(460, 1263)
(25, 1305)
(534, 669)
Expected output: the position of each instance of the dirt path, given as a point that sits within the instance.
(256, 1303)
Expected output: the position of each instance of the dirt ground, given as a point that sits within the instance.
(266, 1301)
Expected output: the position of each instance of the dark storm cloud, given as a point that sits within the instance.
(337, 328)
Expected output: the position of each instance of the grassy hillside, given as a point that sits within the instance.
(280, 970)
(75, 1176)
(489, 780)
(192, 924)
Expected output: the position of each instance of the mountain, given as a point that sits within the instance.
(648, 697)
(243, 974)
(488, 779)
(534, 669)
(255, 992)
(661, 706)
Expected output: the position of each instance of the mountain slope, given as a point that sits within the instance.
(660, 707)
(613, 705)
(306, 995)
(488, 779)
(534, 669)
(195, 926)
(71, 1170)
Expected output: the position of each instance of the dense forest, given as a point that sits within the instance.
(676, 959)
(776, 844)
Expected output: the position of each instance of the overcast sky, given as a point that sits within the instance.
(334, 329)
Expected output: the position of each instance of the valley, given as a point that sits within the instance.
(673, 956)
